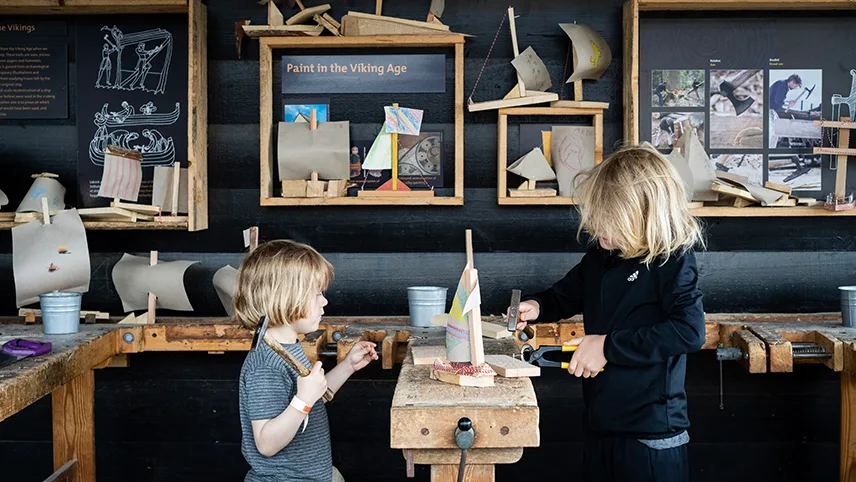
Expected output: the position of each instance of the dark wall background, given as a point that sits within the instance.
(174, 416)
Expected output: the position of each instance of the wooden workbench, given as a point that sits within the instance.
(425, 413)
(67, 374)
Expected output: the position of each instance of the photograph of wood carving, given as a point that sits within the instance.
(736, 109)
(427, 241)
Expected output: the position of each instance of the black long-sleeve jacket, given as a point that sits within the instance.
(652, 317)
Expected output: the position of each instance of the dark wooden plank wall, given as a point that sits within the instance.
(174, 416)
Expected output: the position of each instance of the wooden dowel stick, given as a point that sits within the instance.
(313, 120)
(150, 314)
(176, 182)
(46, 213)
(470, 249)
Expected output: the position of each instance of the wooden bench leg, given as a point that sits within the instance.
(74, 425)
(472, 473)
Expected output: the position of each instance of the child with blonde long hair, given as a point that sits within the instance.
(637, 288)
(286, 436)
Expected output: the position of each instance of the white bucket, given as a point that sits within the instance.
(60, 312)
(425, 302)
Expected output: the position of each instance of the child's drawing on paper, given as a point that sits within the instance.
(572, 150)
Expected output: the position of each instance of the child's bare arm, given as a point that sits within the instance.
(360, 355)
(273, 434)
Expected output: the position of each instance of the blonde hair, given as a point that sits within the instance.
(279, 279)
(636, 200)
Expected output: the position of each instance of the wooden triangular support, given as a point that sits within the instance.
(274, 15)
(150, 313)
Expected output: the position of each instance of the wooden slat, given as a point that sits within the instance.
(472, 473)
(197, 118)
(474, 457)
(759, 211)
(836, 151)
(579, 104)
(598, 138)
(66, 473)
(508, 367)
(459, 121)
(73, 407)
(838, 124)
(549, 111)
(531, 98)
(502, 156)
(266, 124)
(651, 5)
(91, 7)
(536, 201)
(256, 31)
(364, 201)
(441, 40)
(749, 343)
(631, 71)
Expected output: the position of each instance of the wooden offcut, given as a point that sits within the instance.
(307, 14)
(358, 23)
(778, 187)
(425, 355)
(508, 367)
(495, 331)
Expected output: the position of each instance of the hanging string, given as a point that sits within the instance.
(565, 73)
(501, 23)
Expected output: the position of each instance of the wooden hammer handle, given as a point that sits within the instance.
(294, 363)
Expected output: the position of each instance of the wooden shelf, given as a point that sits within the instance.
(363, 201)
(653, 5)
(91, 7)
(543, 201)
(439, 40)
(267, 124)
(503, 199)
(759, 212)
(117, 226)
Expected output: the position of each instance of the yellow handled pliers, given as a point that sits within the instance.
(536, 357)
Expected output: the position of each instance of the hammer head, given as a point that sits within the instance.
(259, 336)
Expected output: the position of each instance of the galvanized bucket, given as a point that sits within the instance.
(60, 312)
(425, 302)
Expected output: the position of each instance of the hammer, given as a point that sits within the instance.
(287, 357)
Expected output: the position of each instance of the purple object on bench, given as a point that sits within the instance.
(23, 348)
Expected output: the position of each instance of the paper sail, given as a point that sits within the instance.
(572, 151)
(122, 175)
(401, 120)
(379, 156)
(225, 280)
(162, 189)
(533, 166)
(50, 257)
(437, 7)
(326, 150)
(4, 200)
(592, 54)
(683, 168)
(458, 327)
(532, 71)
(135, 279)
(701, 168)
(43, 187)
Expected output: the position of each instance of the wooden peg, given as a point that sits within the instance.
(378, 7)
(46, 213)
(176, 183)
(150, 314)
(313, 121)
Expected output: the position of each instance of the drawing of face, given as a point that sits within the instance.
(571, 152)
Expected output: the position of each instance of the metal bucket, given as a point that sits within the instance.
(848, 306)
(60, 312)
(425, 302)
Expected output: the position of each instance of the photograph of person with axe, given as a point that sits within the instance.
(736, 109)
(285, 434)
(795, 98)
(637, 288)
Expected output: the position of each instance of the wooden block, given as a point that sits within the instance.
(732, 191)
(508, 367)
(695, 204)
(389, 350)
(89, 319)
(495, 331)
(425, 355)
(462, 380)
(779, 350)
(337, 188)
(291, 188)
(832, 345)
(739, 202)
(808, 201)
(315, 188)
(332, 21)
(532, 193)
(326, 24)
(778, 187)
(783, 201)
(755, 348)
(128, 320)
(29, 318)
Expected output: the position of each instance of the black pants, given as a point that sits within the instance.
(629, 460)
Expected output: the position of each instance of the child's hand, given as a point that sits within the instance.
(588, 360)
(312, 386)
(360, 355)
(527, 311)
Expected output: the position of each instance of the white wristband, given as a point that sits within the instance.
(301, 407)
